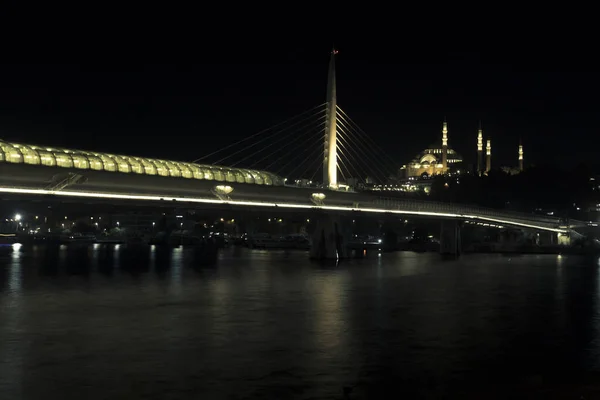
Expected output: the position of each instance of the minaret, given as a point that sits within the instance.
(330, 150)
(480, 150)
(488, 156)
(520, 156)
(445, 147)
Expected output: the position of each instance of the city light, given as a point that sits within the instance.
(224, 189)
(17, 217)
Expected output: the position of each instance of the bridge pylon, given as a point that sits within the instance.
(330, 238)
(330, 143)
(450, 239)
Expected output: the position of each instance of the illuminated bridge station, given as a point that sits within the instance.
(14, 153)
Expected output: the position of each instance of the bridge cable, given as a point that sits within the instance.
(358, 156)
(303, 144)
(369, 145)
(309, 140)
(375, 160)
(366, 146)
(275, 135)
(346, 118)
(347, 140)
(314, 173)
(356, 168)
(263, 131)
(270, 137)
(282, 138)
(352, 170)
(339, 167)
(259, 133)
(302, 153)
(341, 164)
(362, 174)
(312, 165)
(366, 136)
(316, 145)
(352, 152)
(307, 158)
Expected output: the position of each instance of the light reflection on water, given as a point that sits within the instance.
(103, 321)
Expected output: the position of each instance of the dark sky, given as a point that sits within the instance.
(397, 92)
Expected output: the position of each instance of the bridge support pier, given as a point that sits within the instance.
(450, 241)
(330, 238)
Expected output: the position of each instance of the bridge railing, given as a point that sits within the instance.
(451, 208)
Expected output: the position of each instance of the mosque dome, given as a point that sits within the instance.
(431, 161)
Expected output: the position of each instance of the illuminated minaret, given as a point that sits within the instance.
(480, 149)
(330, 150)
(445, 147)
(488, 156)
(520, 156)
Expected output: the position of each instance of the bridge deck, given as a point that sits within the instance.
(26, 179)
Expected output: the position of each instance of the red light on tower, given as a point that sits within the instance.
(335, 51)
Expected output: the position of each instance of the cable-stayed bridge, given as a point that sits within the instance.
(295, 164)
(294, 155)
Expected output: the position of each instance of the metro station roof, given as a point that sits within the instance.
(18, 153)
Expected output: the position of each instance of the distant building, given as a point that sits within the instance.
(435, 160)
(441, 160)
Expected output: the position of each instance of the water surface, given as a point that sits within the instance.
(98, 322)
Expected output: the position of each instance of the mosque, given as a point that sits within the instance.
(442, 160)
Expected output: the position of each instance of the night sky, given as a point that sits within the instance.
(396, 92)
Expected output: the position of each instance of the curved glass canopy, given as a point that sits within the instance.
(17, 153)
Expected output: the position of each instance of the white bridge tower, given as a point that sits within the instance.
(330, 143)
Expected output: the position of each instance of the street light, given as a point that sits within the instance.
(17, 217)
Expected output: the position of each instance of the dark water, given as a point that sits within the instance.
(110, 322)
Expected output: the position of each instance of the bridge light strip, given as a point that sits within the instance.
(66, 193)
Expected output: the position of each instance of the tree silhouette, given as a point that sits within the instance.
(543, 188)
